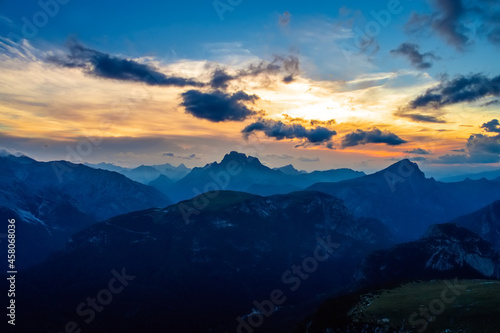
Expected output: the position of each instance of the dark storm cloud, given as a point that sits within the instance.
(417, 59)
(491, 126)
(279, 131)
(287, 66)
(375, 135)
(458, 21)
(448, 24)
(103, 65)
(418, 151)
(461, 89)
(217, 106)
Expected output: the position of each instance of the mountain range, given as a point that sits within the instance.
(408, 202)
(146, 173)
(238, 172)
(214, 268)
(225, 263)
(234, 260)
(52, 200)
(491, 175)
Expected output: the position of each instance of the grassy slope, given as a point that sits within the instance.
(477, 309)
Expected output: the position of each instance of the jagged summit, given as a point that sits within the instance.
(404, 168)
(240, 158)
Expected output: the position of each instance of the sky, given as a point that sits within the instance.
(316, 84)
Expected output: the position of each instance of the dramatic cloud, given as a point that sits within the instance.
(418, 151)
(478, 143)
(287, 66)
(491, 126)
(460, 89)
(375, 135)
(448, 23)
(479, 148)
(420, 118)
(458, 21)
(103, 65)
(218, 106)
(279, 131)
(417, 59)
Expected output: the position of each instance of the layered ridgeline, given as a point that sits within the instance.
(146, 173)
(408, 202)
(401, 196)
(228, 260)
(239, 172)
(236, 172)
(52, 200)
(491, 175)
